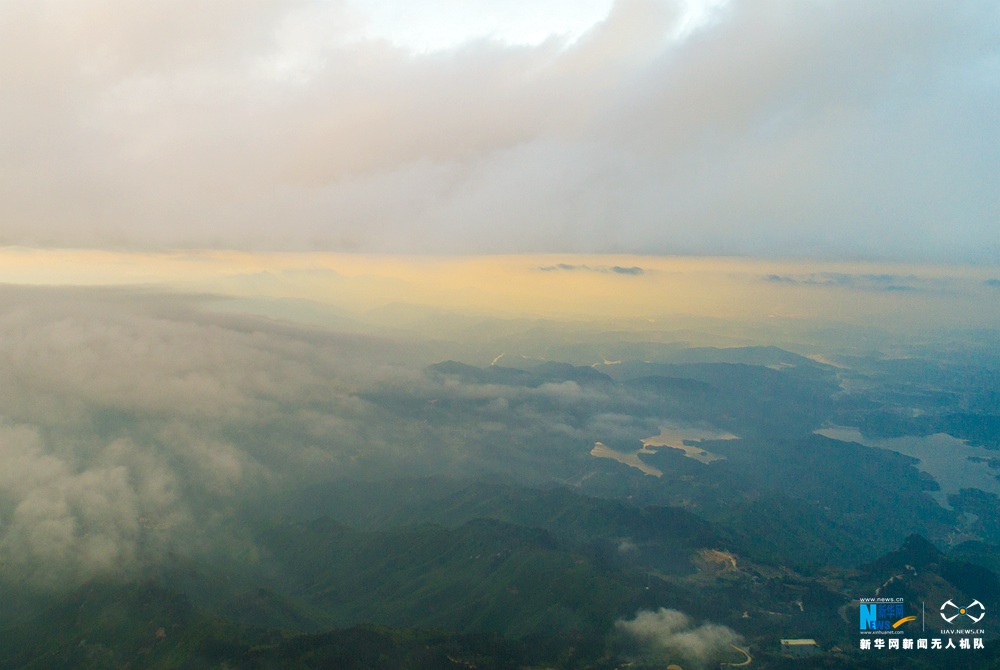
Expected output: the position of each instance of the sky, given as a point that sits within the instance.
(645, 293)
(795, 129)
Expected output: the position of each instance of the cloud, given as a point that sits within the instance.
(848, 129)
(615, 269)
(674, 631)
(865, 282)
(65, 520)
(134, 424)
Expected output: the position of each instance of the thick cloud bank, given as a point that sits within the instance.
(779, 127)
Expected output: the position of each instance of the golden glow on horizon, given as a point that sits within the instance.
(520, 285)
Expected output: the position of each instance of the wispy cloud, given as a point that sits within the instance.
(614, 269)
(865, 282)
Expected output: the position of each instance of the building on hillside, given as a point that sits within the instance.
(799, 647)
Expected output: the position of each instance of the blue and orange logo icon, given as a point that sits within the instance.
(883, 616)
